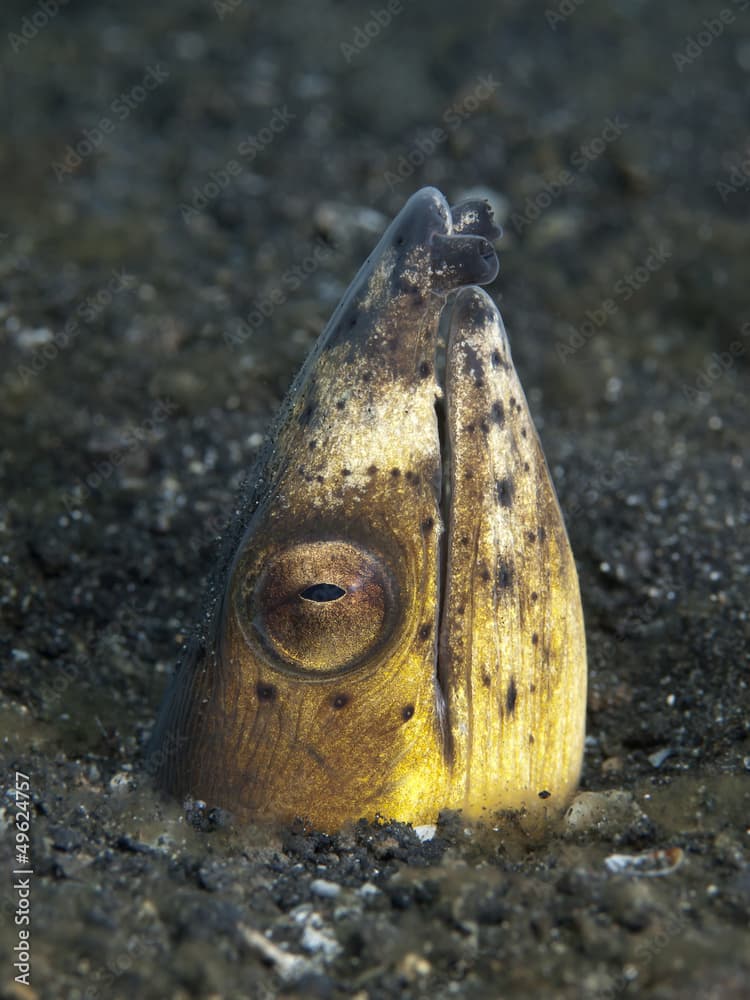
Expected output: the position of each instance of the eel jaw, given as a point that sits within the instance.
(512, 652)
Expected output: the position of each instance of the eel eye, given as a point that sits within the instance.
(322, 606)
(323, 592)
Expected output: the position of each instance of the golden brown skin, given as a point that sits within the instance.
(347, 666)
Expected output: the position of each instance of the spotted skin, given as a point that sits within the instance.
(512, 644)
(352, 660)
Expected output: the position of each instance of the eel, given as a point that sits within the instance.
(396, 625)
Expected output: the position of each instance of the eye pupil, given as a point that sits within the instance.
(322, 592)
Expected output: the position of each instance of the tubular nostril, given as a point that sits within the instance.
(475, 216)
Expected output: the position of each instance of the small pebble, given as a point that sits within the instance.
(325, 889)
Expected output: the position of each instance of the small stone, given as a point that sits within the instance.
(606, 813)
(425, 832)
(631, 903)
(64, 839)
(657, 759)
(369, 891)
(317, 937)
(325, 889)
(413, 966)
(120, 782)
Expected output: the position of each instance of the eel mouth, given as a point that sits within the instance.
(473, 220)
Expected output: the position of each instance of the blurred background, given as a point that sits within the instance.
(187, 188)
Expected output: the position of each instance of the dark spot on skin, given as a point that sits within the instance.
(400, 241)
(425, 631)
(320, 479)
(464, 539)
(531, 739)
(428, 524)
(340, 404)
(534, 595)
(495, 359)
(486, 680)
(425, 370)
(346, 472)
(407, 712)
(312, 445)
(395, 473)
(504, 576)
(460, 610)
(372, 470)
(523, 432)
(265, 692)
(468, 474)
(313, 753)
(542, 534)
(525, 466)
(367, 376)
(498, 414)
(485, 574)
(484, 427)
(412, 477)
(532, 688)
(504, 488)
(512, 401)
(511, 696)
(470, 428)
(534, 639)
(531, 536)
(340, 700)
(306, 414)
(545, 794)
